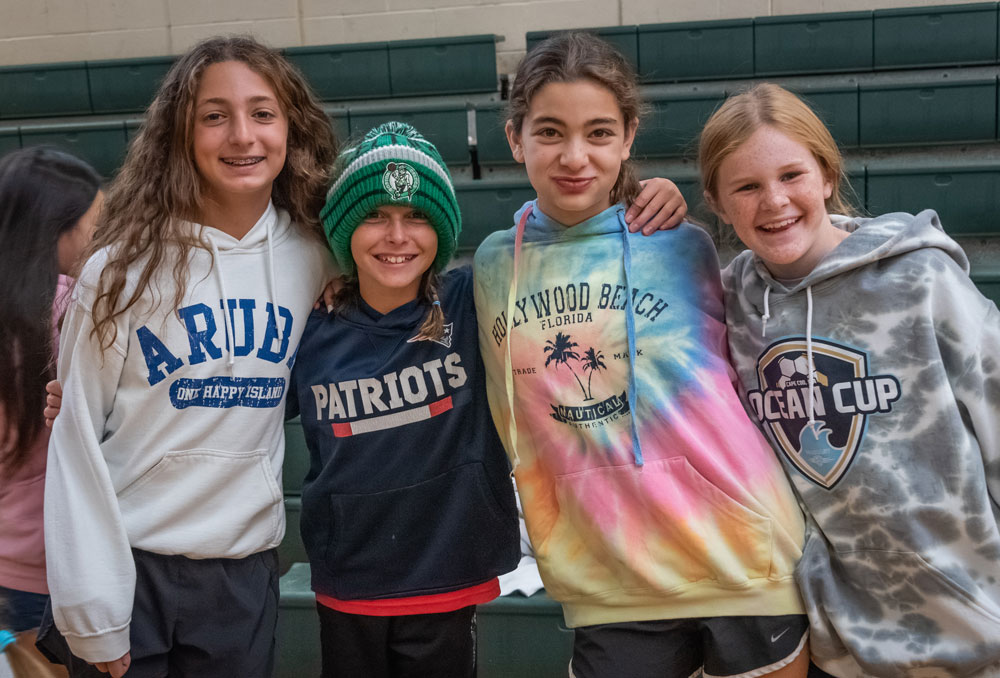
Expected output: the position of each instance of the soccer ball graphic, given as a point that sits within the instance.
(793, 369)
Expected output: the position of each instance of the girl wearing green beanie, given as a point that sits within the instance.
(408, 512)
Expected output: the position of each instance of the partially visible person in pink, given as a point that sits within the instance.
(49, 203)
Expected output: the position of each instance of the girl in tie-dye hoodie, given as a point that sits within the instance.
(660, 518)
(870, 359)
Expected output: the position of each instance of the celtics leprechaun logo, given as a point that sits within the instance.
(400, 180)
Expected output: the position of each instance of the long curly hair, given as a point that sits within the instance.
(43, 195)
(159, 185)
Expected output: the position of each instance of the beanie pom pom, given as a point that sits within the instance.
(401, 129)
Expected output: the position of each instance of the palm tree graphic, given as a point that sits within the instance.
(593, 361)
(561, 351)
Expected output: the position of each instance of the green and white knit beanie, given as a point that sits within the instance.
(394, 165)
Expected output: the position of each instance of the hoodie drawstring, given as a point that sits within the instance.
(270, 271)
(508, 361)
(809, 354)
(630, 334)
(809, 344)
(767, 312)
(221, 280)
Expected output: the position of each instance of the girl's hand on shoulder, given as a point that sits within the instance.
(658, 207)
(53, 401)
(330, 293)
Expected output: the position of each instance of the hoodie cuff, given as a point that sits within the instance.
(106, 647)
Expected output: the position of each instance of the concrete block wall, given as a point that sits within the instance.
(39, 31)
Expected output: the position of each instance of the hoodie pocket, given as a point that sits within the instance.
(439, 534)
(663, 526)
(205, 503)
(925, 622)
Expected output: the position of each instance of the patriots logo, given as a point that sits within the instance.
(843, 396)
(445, 339)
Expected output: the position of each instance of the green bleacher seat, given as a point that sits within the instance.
(291, 549)
(445, 124)
(125, 85)
(491, 140)
(686, 177)
(344, 71)
(696, 50)
(691, 190)
(523, 637)
(340, 120)
(44, 90)
(987, 279)
(856, 190)
(965, 193)
(297, 635)
(836, 103)
(296, 458)
(443, 65)
(487, 206)
(676, 119)
(943, 35)
(10, 139)
(102, 144)
(813, 43)
(915, 109)
(132, 126)
(624, 38)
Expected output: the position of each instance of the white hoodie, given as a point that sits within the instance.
(172, 440)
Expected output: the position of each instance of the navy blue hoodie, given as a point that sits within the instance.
(409, 489)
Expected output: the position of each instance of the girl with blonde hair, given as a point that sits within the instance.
(868, 357)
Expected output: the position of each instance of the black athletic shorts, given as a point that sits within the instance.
(677, 648)
(437, 645)
(191, 619)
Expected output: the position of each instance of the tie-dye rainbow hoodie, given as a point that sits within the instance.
(647, 492)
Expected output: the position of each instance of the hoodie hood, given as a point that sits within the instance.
(871, 240)
(541, 227)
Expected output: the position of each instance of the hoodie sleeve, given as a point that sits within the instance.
(708, 278)
(491, 284)
(978, 390)
(91, 574)
(967, 331)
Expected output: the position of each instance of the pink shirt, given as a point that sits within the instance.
(22, 547)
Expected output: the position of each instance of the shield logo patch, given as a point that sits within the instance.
(843, 396)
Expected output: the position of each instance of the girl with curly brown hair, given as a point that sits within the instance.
(163, 502)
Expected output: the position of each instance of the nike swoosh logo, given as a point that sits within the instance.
(774, 639)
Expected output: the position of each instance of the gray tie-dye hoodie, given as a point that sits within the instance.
(897, 456)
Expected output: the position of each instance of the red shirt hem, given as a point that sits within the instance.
(429, 604)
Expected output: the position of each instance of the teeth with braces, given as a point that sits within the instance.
(395, 260)
(243, 161)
